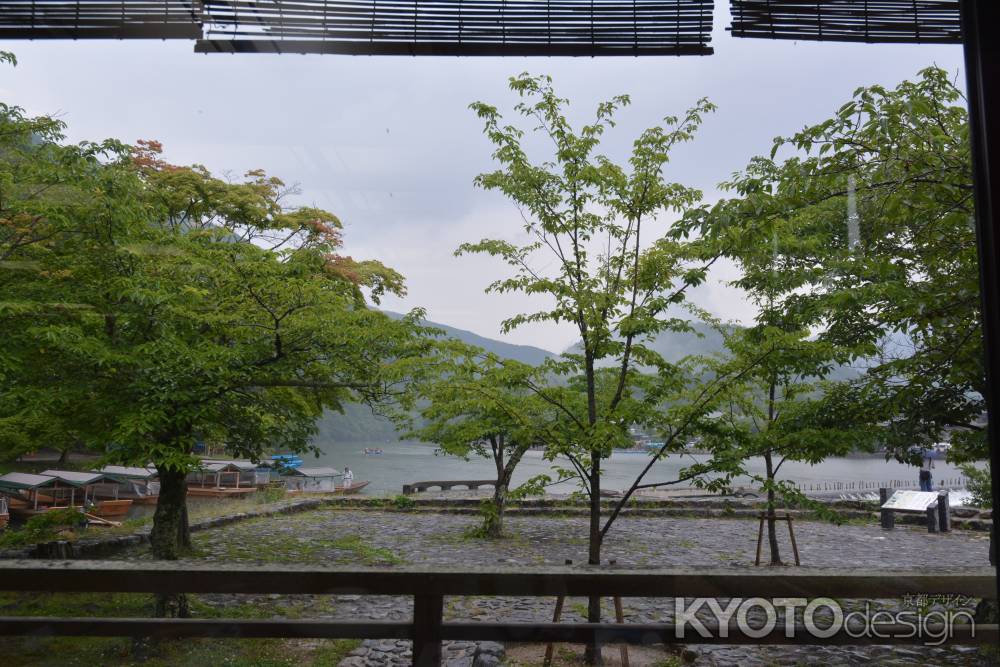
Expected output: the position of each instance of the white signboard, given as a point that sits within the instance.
(912, 501)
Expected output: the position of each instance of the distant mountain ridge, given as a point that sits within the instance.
(675, 345)
(358, 424)
(527, 354)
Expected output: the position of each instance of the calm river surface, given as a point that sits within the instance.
(404, 462)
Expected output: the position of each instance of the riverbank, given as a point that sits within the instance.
(99, 542)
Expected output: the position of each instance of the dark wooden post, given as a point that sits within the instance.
(993, 547)
(549, 648)
(888, 516)
(932, 519)
(760, 538)
(428, 611)
(982, 71)
(944, 512)
(791, 536)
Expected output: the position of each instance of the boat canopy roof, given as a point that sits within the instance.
(314, 472)
(78, 478)
(129, 471)
(240, 465)
(223, 466)
(15, 481)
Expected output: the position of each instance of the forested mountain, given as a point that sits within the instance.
(358, 424)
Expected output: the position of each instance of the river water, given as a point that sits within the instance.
(407, 462)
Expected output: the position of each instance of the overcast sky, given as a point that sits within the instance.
(390, 146)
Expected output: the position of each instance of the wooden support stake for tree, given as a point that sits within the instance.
(557, 615)
(791, 534)
(760, 538)
(555, 619)
(620, 617)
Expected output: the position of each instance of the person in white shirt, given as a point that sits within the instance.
(348, 477)
(926, 480)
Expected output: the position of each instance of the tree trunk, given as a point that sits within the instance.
(493, 521)
(493, 516)
(592, 653)
(63, 456)
(171, 535)
(772, 533)
(987, 611)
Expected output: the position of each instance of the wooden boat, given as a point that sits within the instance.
(220, 491)
(112, 508)
(355, 487)
(25, 508)
(26, 511)
(140, 485)
(342, 491)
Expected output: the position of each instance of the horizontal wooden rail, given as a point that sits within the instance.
(575, 633)
(173, 576)
(428, 586)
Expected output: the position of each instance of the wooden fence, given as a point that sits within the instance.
(948, 482)
(429, 586)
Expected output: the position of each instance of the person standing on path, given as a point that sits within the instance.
(926, 465)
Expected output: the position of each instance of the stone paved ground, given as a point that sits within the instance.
(370, 537)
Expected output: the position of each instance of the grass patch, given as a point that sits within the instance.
(87, 651)
(369, 555)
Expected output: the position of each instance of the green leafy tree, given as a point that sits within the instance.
(479, 405)
(48, 192)
(869, 224)
(602, 254)
(168, 306)
(781, 410)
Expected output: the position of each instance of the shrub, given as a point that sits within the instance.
(43, 527)
(402, 502)
(271, 494)
(979, 485)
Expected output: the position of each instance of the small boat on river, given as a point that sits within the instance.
(29, 495)
(140, 485)
(373, 451)
(355, 487)
(100, 492)
(219, 480)
(319, 481)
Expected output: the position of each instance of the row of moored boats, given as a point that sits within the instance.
(108, 493)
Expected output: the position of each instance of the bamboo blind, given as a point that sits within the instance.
(890, 21)
(461, 27)
(100, 19)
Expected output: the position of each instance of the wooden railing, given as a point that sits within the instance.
(429, 586)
